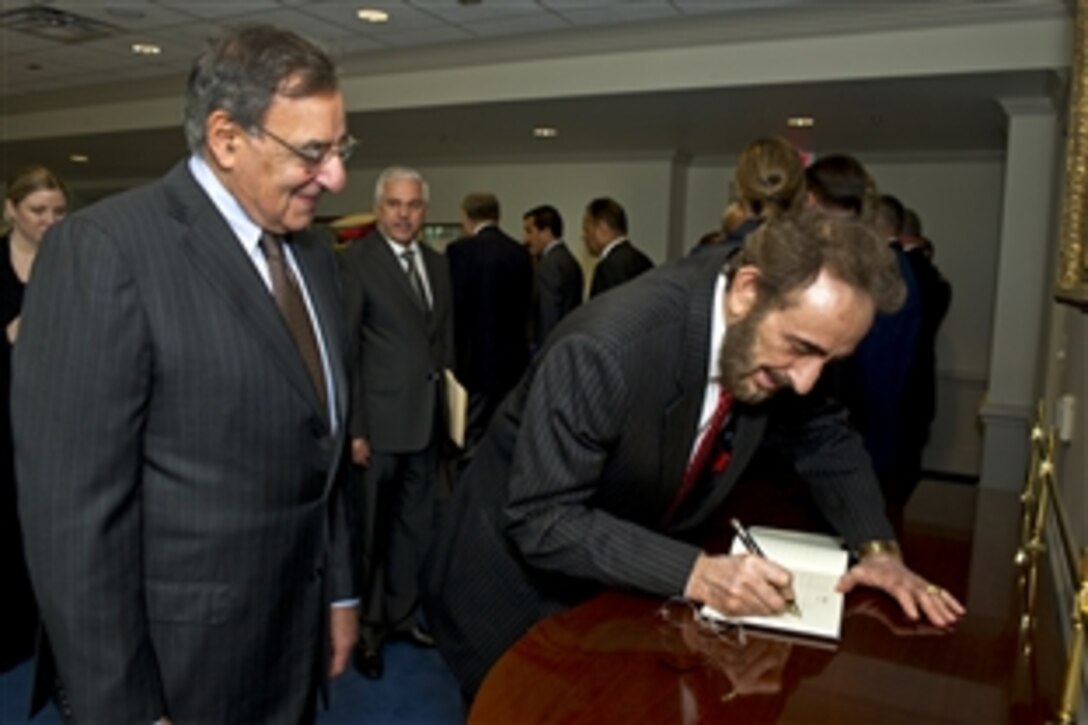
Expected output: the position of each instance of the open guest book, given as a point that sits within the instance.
(817, 562)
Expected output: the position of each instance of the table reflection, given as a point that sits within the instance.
(625, 657)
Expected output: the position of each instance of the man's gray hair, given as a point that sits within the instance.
(244, 69)
(400, 173)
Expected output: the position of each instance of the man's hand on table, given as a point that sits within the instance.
(916, 596)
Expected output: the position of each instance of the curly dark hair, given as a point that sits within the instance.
(792, 249)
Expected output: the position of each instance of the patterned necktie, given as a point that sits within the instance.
(409, 258)
(705, 447)
(293, 308)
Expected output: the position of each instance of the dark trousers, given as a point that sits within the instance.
(395, 510)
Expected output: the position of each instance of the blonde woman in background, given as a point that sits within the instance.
(769, 180)
(34, 200)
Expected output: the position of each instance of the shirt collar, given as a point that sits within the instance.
(398, 248)
(247, 233)
(612, 245)
(717, 326)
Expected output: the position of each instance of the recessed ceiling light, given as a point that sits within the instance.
(800, 121)
(79, 158)
(146, 49)
(545, 132)
(372, 15)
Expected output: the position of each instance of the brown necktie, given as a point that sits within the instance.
(293, 308)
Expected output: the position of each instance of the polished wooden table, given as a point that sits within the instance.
(627, 658)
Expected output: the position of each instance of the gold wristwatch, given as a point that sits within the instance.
(877, 546)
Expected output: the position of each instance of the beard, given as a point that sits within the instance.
(736, 364)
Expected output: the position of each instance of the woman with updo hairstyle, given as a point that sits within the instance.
(769, 180)
(34, 199)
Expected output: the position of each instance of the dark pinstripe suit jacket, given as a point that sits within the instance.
(177, 472)
(568, 489)
(623, 263)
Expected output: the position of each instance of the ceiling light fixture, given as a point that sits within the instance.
(146, 49)
(800, 121)
(372, 15)
(79, 158)
(545, 132)
(52, 24)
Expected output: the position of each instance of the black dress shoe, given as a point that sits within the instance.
(420, 637)
(369, 663)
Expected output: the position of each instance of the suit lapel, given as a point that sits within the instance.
(681, 418)
(439, 293)
(395, 270)
(216, 253)
(749, 427)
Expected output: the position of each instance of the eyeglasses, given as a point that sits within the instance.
(316, 153)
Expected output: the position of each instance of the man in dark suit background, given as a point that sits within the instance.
(400, 327)
(588, 477)
(882, 363)
(873, 382)
(604, 232)
(492, 292)
(919, 406)
(558, 285)
(177, 435)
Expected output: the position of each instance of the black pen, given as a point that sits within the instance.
(753, 548)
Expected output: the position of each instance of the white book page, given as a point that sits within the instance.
(817, 562)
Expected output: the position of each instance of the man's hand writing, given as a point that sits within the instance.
(740, 585)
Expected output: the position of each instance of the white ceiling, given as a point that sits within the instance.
(934, 113)
(33, 63)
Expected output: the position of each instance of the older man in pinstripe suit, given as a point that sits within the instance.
(178, 400)
(585, 478)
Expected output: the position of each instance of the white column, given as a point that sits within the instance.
(678, 243)
(1028, 228)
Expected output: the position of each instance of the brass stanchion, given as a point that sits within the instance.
(1036, 517)
(1074, 665)
(1031, 483)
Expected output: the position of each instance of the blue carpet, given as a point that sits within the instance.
(416, 688)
